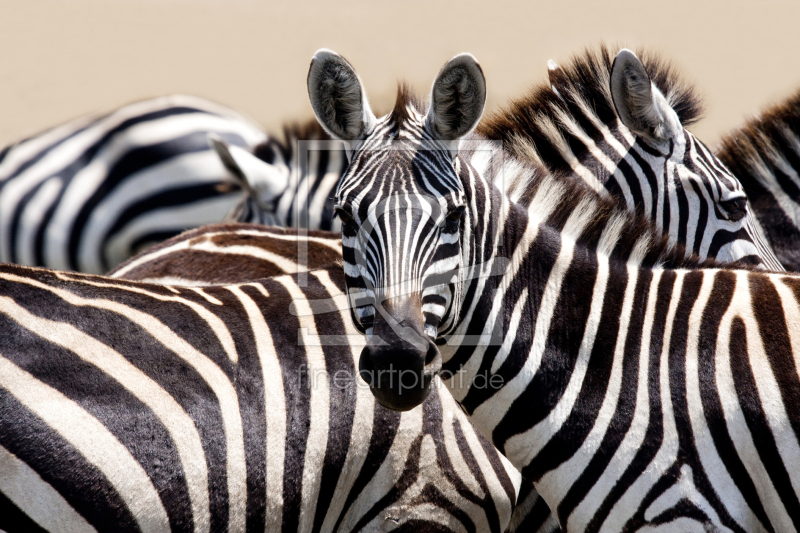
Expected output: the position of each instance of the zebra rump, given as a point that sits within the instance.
(88, 194)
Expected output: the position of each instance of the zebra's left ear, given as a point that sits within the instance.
(262, 181)
(458, 97)
(640, 105)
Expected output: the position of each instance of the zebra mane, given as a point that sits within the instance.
(405, 102)
(609, 229)
(765, 148)
(636, 238)
(549, 120)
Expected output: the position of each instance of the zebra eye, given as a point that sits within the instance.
(455, 215)
(736, 209)
(344, 214)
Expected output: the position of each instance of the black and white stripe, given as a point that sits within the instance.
(764, 155)
(625, 136)
(307, 159)
(135, 407)
(637, 388)
(90, 193)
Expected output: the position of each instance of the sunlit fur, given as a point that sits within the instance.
(142, 407)
(570, 126)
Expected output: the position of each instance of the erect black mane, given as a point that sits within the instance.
(753, 151)
(582, 84)
(405, 102)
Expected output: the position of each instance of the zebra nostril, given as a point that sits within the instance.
(735, 209)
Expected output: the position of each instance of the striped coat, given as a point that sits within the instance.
(764, 154)
(88, 194)
(219, 253)
(135, 407)
(637, 388)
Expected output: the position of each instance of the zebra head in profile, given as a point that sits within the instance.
(764, 154)
(619, 123)
(402, 207)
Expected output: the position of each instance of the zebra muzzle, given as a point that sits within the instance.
(399, 361)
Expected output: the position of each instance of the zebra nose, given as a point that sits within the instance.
(399, 363)
(734, 209)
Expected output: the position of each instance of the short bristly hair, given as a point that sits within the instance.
(544, 121)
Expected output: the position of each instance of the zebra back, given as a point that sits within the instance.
(764, 154)
(145, 408)
(232, 253)
(90, 193)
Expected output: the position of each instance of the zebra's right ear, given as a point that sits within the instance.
(640, 105)
(259, 179)
(338, 97)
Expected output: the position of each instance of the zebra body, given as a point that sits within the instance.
(135, 407)
(764, 155)
(90, 193)
(637, 388)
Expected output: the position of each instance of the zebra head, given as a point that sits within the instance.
(261, 181)
(705, 206)
(402, 208)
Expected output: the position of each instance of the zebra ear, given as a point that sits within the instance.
(458, 97)
(337, 97)
(640, 105)
(259, 179)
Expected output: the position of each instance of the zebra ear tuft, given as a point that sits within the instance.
(640, 105)
(337, 97)
(457, 98)
(259, 179)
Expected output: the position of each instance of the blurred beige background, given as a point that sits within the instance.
(64, 58)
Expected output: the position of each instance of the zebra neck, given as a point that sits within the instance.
(550, 302)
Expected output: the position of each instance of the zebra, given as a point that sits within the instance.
(308, 160)
(764, 154)
(231, 253)
(127, 406)
(88, 194)
(637, 388)
(577, 124)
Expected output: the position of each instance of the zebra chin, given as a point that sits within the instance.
(400, 360)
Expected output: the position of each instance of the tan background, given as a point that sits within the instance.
(64, 58)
